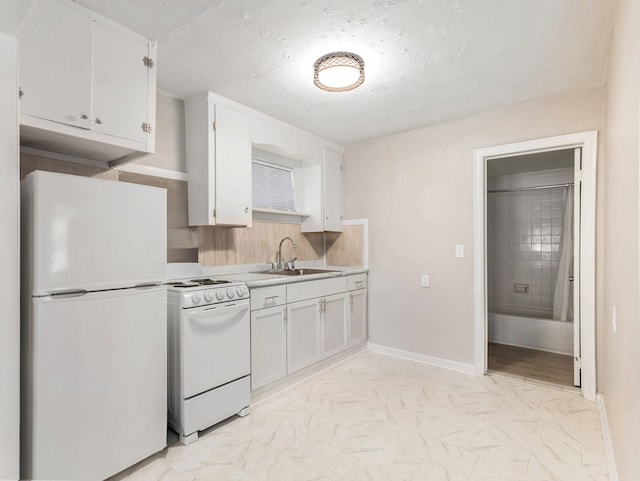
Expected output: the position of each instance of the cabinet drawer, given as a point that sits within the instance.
(268, 297)
(308, 290)
(358, 281)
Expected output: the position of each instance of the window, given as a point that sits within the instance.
(272, 187)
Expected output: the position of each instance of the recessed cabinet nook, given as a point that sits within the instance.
(87, 85)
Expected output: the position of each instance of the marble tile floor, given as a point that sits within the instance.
(377, 418)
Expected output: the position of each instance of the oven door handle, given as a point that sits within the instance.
(219, 315)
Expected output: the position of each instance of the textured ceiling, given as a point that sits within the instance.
(426, 60)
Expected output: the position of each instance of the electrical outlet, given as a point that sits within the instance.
(614, 321)
(459, 250)
(424, 282)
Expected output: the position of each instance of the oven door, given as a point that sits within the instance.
(215, 346)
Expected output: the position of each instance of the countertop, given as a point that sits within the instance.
(257, 279)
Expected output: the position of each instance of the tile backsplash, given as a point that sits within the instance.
(346, 248)
(524, 230)
(256, 244)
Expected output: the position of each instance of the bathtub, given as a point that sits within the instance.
(531, 328)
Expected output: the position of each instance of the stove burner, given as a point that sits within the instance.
(209, 282)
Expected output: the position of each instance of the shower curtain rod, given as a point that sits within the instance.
(519, 189)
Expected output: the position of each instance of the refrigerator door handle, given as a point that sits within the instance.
(68, 293)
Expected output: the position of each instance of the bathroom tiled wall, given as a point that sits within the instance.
(524, 230)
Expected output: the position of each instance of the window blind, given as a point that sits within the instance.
(272, 187)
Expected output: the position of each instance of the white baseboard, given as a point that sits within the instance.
(423, 358)
(608, 443)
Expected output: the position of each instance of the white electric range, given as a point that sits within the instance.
(209, 352)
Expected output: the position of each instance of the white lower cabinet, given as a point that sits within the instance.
(304, 326)
(311, 321)
(334, 325)
(268, 346)
(357, 317)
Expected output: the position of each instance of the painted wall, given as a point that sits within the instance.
(9, 263)
(621, 354)
(416, 189)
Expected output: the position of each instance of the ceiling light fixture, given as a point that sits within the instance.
(338, 71)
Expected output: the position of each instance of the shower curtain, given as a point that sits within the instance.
(563, 296)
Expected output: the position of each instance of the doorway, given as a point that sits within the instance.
(532, 302)
(530, 217)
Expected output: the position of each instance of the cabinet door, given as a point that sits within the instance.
(303, 334)
(232, 167)
(358, 316)
(334, 326)
(268, 346)
(120, 83)
(55, 64)
(332, 191)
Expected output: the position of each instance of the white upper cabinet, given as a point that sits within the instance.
(332, 190)
(88, 85)
(218, 163)
(120, 83)
(55, 64)
(320, 193)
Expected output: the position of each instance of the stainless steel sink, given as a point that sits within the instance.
(298, 272)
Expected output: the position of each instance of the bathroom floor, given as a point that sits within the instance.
(531, 364)
(377, 418)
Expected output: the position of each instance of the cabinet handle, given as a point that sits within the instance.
(20, 92)
(98, 121)
(246, 209)
(323, 306)
(83, 117)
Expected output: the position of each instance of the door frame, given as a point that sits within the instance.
(588, 141)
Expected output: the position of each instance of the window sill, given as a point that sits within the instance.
(282, 216)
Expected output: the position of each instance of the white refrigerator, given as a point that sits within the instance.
(94, 333)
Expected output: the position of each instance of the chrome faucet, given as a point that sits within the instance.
(281, 264)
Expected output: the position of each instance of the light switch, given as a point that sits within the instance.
(424, 281)
(459, 250)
